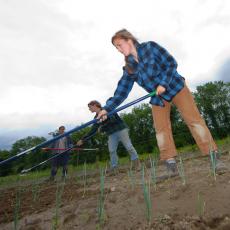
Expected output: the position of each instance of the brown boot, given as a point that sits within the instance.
(220, 166)
(136, 164)
(171, 170)
(112, 171)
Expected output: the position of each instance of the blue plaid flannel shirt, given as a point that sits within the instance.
(155, 67)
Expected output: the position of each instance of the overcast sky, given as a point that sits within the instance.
(56, 55)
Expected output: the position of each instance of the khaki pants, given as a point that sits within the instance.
(186, 105)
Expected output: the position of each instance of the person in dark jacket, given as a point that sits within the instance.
(117, 131)
(60, 146)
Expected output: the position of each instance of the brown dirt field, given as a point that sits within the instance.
(174, 205)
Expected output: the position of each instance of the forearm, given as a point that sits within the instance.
(121, 93)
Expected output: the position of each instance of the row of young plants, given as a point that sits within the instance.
(147, 184)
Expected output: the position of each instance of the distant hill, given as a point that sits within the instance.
(6, 142)
(9, 137)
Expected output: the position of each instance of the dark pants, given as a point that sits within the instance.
(61, 160)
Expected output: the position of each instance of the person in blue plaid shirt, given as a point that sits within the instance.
(152, 67)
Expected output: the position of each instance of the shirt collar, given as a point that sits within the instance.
(130, 57)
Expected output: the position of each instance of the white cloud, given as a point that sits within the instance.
(57, 55)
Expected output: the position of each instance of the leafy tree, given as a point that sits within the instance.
(213, 100)
(32, 158)
(5, 169)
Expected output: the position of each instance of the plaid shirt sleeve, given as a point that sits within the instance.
(124, 87)
(167, 63)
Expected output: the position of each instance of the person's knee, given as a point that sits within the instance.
(113, 153)
(130, 146)
(54, 168)
(160, 139)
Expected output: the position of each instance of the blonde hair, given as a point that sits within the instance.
(126, 35)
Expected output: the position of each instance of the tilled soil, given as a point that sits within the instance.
(202, 203)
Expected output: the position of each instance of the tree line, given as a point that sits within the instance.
(213, 101)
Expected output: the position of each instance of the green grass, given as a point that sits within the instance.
(188, 148)
(59, 193)
(85, 178)
(213, 163)
(153, 170)
(147, 197)
(13, 179)
(181, 171)
(200, 204)
(193, 148)
(17, 206)
(223, 141)
(132, 178)
(101, 202)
